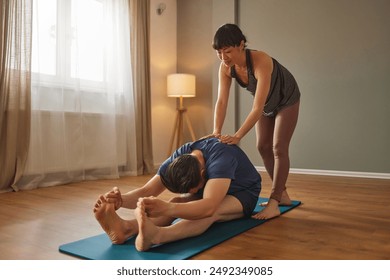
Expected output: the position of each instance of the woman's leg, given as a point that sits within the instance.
(278, 165)
(265, 137)
(285, 123)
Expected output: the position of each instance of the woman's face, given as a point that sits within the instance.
(228, 55)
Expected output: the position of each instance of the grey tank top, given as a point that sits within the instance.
(284, 90)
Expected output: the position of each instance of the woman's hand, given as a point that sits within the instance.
(226, 139)
(212, 135)
(230, 140)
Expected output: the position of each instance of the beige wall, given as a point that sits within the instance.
(181, 42)
(339, 51)
(195, 56)
(163, 61)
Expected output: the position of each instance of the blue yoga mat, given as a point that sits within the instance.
(99, 247)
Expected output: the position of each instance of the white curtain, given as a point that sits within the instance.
(82, 114)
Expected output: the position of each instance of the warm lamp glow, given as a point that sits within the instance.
(181, 85)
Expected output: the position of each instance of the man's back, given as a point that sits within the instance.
(222, 161)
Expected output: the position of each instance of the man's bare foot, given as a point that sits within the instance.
(147, 231)
(284, 201)
(271, 210)
(117, 229)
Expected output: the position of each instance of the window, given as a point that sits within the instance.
(68, 46)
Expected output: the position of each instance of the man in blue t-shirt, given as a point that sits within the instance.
(220, 184)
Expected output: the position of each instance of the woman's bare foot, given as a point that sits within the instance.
(147, 231)
(284, 201)
(117, 229)
(271, 210)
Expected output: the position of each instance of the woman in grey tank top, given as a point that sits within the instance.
(274, 112)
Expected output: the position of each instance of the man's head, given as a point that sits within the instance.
(182, 174)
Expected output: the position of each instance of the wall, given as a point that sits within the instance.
(195, 56)
(180, 41)
(163, 61)
(229, 15)
(339, 51)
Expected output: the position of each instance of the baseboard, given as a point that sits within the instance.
(372, 175)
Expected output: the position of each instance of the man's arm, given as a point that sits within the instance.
(153, 187)
(214, 192)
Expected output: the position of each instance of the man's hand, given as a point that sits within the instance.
(114, 196)
(155, 207)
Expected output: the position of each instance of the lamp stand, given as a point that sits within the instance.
(181, 116)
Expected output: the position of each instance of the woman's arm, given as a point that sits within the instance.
(262, 64)
(223, 97)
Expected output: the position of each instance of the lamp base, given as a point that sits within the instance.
(177, 134)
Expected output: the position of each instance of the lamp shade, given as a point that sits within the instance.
(181, 85)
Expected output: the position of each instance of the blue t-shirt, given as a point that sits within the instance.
(223, 161)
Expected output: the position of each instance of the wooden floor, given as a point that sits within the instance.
(340, 218)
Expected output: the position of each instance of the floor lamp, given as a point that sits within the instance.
(180, 86)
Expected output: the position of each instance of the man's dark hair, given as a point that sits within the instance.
(182, 174)
(228, 35)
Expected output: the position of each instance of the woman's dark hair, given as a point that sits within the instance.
(182, 174)
(228, 35)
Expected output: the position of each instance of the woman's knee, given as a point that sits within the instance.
(280, 151)
(277, 150)
(265, 149)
